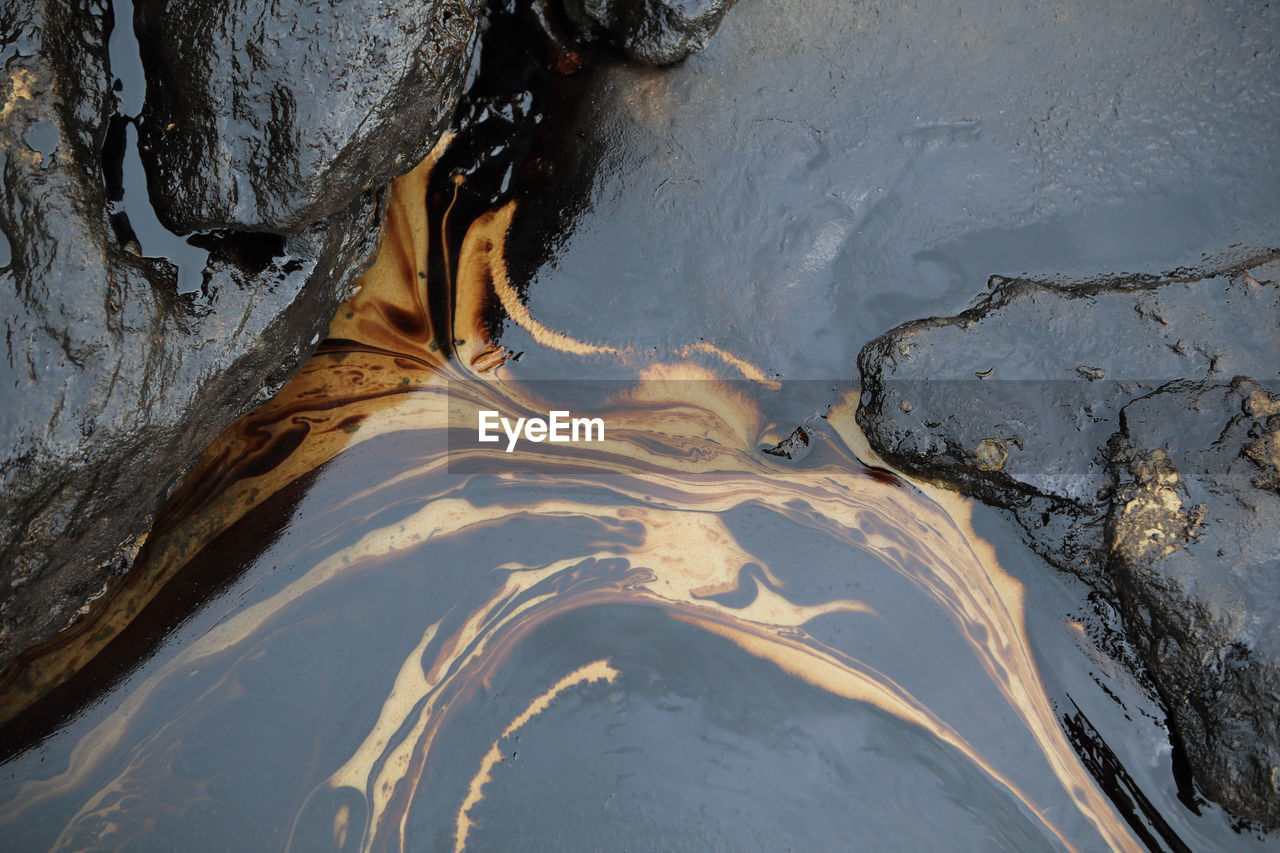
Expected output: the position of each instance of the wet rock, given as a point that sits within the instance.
(1014, 400)
(658, 32)
(793, 447)
(112, 382)
(272, 116)
(1109, 420)
(1194, 541)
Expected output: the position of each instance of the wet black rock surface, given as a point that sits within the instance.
(269, 117)
(1108, 418)
(1015, 399)
(114, 382)
(1194, 538)
(657, 32)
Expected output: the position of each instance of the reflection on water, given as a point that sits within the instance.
(667, 640)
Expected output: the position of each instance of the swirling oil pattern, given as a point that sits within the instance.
(665, 640)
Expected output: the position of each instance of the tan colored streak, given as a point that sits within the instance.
(746, 368)
(595, 671)
(1021, 684)
(679, 455)
(341, 823)
(817, 666)
(489, 235)
(373, 391)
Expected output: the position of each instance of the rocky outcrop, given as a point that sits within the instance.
(1128, 427)
(271, 116)
(1015, 399)
(657, 32)
(1193, 531)
(113, 382)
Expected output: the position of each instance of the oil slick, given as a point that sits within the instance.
(595, 671)
(663, 515)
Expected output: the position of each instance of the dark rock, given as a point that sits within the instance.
(113, 383)
(1015, 399)
(658, 32)
(793, 447)
(1194, 540)
(272, 116)
(1106, 419)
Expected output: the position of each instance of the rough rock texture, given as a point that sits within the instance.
(1015, 399)
(1110, 420)
(270, 116)
(1194, 536)
(658, 32)
(112, 383)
